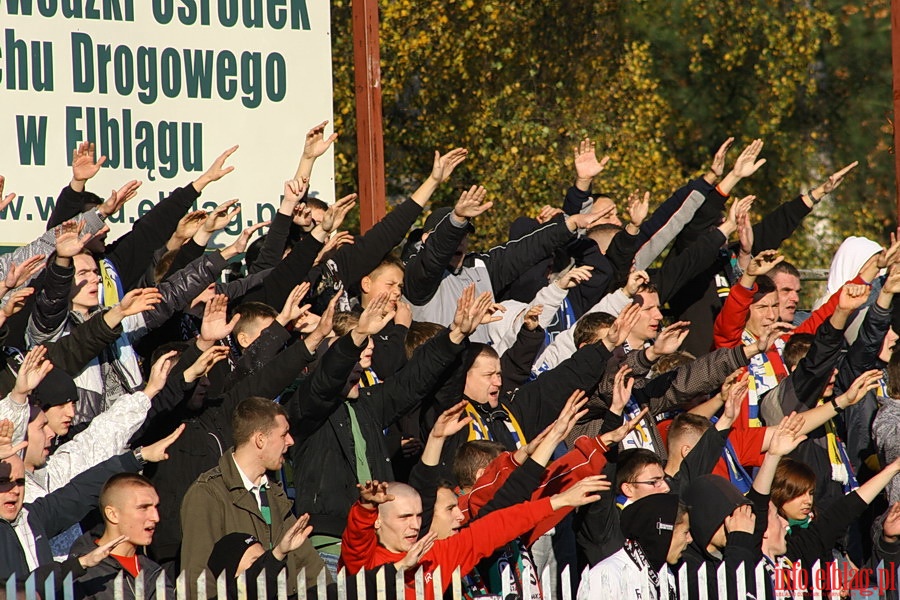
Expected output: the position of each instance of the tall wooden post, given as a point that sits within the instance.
(895, 61)
(369, 138)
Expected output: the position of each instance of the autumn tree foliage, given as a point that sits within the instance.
(659, 85)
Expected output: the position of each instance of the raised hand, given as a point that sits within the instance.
(325, 324)
(733, 400)
(316, 144)
(373, 493)
(31, 373)
(188, 225)
(747, 163)
(291, 311)
(17, 275)
(205, 362)
(861, 386)
(742, 519)
(444, 164)
(617, 435)
(547, 213)
(156, 452)
(621, 328)
(737, 207)
(239, 246)
(787, 436)
(336, 214)
(449, 422)
(138, 300)
(772, 333)
(7, 429)
(587, 220)
(118, 198)
(670, 338)
(215, 325)
(216, 171)
(335, 241)
(745, 230)
(294, 190)
(7, 200)
(220, 217)
(636, 279)
(83, 164)
(159, 372)
(623, 384)
(835, 179)
(853, 295)
(572, 277)
(416, 552)
(586, 164)
(718, 164)
(69, 240)
(891, 255)
(584, 492)
(764, 262)
(471, 203)
(571, 413)
(375, 316)
(892, 282)
(293, 538)
(100, 553)
(479, 311)
(531, 320)
(638, 208)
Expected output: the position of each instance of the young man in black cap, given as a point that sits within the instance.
(656, 530)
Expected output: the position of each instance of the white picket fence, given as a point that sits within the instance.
(880, 582)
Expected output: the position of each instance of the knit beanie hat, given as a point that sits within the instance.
(711, 498)
(650, 522)
(227, 553)
(56, 389)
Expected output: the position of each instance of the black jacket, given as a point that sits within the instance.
(56, 512)
(98, 583)
(698, 301)
(133, 252)
(207, 435)
(323, 455)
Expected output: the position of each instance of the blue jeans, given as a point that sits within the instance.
(331, 563)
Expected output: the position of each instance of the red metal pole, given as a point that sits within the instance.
(369, 137)
(895, 61)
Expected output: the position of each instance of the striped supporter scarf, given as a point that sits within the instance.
(766, 370)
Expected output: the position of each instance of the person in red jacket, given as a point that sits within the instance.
(383, 527)
(752, 306)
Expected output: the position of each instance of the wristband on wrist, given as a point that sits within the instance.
(813, 198)
(837, 408)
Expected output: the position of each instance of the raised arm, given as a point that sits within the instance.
(425, 269)
(132, 253)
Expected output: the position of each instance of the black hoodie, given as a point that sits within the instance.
(711, 499)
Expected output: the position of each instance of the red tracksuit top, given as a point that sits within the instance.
(360, 548)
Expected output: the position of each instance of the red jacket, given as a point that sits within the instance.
(732, 319)
(360, 548)
(735, 311)
(588, 457)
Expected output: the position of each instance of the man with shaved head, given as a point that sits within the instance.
(383, 527)
(128, 503)
(26, 528)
